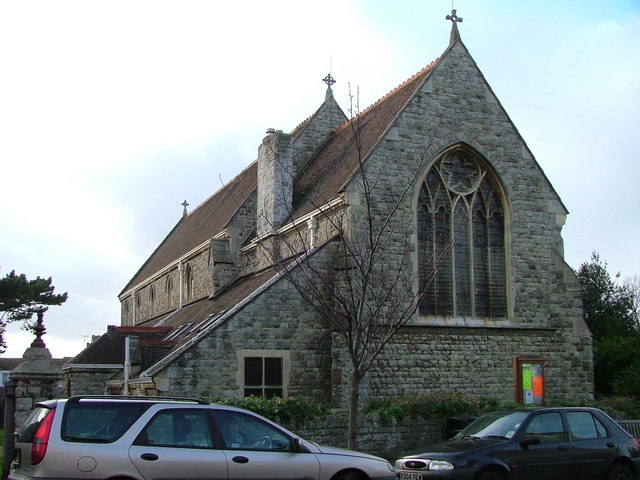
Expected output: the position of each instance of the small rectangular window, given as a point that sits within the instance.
(263, 376)
(263, 373)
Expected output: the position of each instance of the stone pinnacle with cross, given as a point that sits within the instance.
(453, 17)
(329, 80)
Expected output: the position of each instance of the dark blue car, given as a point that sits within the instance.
(531, 444)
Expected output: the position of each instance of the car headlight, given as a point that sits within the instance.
(423, 464)
(440, 465)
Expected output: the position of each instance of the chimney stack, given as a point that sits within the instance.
(275, 181)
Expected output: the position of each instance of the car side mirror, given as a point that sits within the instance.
(295, 444)
(529, 441)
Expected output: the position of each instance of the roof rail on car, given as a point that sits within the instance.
(77, 398)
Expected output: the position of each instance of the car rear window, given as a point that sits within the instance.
(99, 422)
(32, 423)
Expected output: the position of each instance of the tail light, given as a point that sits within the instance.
(41, 438)
(634, 448)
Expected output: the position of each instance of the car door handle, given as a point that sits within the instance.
(149, 457)
(611, 444)
(240, 459)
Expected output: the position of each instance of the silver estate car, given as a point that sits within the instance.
(144, 438)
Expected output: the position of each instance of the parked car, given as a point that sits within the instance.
(141, 438)
(532, 444)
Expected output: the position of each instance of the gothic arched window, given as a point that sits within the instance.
(169, 288)
(461, 234)
(188, 281)
(152, 299)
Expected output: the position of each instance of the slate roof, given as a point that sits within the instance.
(325, 175)
(108, 349)
(199, 225)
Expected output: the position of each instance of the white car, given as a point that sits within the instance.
(145, 438)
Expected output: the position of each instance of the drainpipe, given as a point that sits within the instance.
(127, 366)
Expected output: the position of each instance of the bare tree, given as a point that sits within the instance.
(364, 284)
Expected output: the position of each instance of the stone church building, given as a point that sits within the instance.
(209, 313)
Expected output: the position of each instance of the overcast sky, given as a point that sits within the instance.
(112, 113)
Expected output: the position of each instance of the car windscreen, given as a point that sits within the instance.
(99, 422)
(502, 424)
(32, 423)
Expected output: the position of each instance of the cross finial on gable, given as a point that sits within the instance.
(455, 19)
(185, 205)
(329, 80)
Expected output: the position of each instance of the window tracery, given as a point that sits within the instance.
(461, 235)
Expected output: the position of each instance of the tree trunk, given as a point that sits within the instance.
(354, 400)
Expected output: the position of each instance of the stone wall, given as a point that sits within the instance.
(388, 439)
(473, 362)
(87, 381)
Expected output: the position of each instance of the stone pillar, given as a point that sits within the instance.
(9, 426)
(36, 378)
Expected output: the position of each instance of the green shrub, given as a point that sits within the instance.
(437, 404)
(289, 410)
(449, 405)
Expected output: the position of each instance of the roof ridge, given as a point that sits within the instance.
(136, 329)
(223, 187)
(408, 81)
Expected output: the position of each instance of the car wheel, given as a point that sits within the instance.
(490, 475)
(619, 472)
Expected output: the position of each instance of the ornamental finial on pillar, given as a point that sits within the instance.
(39, 330)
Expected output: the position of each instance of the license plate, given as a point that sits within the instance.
(410, 476)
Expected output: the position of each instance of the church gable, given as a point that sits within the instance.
(313, 132)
